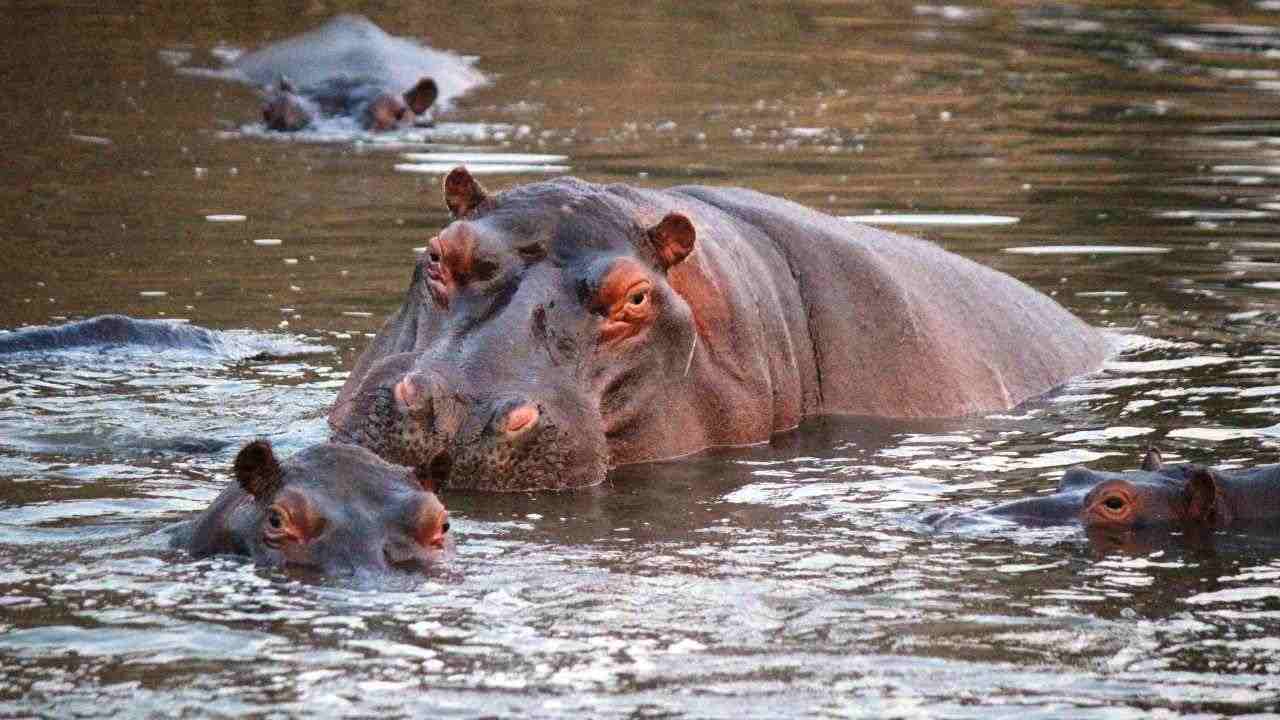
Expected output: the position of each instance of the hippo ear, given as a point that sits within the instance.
(420, 96)
(1152, 461)
(1202, 496)
(462, 193)
(257, 469)
(672, 239)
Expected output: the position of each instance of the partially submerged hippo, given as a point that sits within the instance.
(110, 330)
(334, 508)
(1155, 495)
(350, 67)
(106, 332)
(289, 109)
(561, 328)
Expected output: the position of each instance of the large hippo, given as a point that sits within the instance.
(1156, 495)
(350, 67)
(333, 508)
(561, 328)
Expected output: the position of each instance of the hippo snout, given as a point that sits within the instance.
(493, 440)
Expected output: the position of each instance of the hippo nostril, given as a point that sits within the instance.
(521, 418)
(406, 393)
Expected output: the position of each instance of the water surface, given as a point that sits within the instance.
(792, 579)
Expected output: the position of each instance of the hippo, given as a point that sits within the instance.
(289, 109)
(105, 332)
(349, 67)
(110, 330)
(1156, 495)
(562, 328)
(338, 509)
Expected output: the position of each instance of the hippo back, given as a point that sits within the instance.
(902, 328)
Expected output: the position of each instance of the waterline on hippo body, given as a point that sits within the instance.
(650, 324)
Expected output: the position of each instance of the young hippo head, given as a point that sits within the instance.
(334, 508)
(541, 342)
(1154, 496)
(387, 111)
(285, 110)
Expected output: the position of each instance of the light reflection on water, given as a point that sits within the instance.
(790, 579)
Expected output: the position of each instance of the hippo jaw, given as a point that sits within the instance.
(480, 441)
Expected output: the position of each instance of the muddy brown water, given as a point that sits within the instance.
(792, 579)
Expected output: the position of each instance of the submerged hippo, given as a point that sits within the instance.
(106, 332)
(1155, 495)
(562, 328)
(289, 109)
(350, 67)
(111, 330)
(334, 508)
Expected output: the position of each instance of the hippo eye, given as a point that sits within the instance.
(275, 519)
(434, 256)
(445, 527)
(638, 297)
(1115, 502)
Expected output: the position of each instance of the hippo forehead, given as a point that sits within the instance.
(567, 216)
(347, 474)
(1080, 478)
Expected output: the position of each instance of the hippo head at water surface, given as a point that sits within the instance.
(588, 354)
(1157, 495)
(561, 328)
(334, 508)
(288, 108)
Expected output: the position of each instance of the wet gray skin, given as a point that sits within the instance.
(332, 508)
(1156, 495)
(107, 330)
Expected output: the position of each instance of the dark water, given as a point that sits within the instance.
(787, 580)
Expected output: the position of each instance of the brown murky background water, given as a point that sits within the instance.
(788, 580)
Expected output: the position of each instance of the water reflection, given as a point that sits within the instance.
(781, 580)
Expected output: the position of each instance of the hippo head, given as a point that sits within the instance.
(540, 343)
(285, 110)
(335, 508)
(1153, 496)
(388, 111)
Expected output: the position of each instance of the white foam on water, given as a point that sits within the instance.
(483, 158)
(1118, 432)
(947, 219)
(1266, 285)
(1087, 250)
(90, 139)
(267, 242)
(1220, 434)
(1214, 214)
(443, 168)
(153, 293)
(225, 218)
